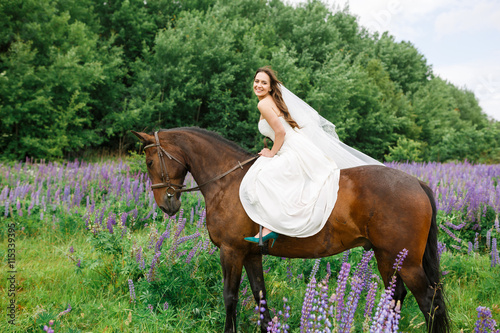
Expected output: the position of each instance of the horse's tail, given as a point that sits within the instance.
(439, 319)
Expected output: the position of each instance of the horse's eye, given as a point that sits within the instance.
(149, 163)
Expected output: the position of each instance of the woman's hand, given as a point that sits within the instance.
(266, 152)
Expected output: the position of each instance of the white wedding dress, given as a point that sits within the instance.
(294, 192)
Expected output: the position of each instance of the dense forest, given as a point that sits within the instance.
(78, 75)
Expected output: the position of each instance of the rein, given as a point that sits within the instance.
(171, 190)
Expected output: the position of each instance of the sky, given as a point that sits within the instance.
(459, 38)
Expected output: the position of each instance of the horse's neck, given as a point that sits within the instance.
(209, 158)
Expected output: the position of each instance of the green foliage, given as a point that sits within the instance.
(405, 150)
(78, 75)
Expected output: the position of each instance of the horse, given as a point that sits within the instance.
(378, 208)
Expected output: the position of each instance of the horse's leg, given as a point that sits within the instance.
(386, 269)
(414, 277)
(400, 290)
(253, 266)
(232, 264)
(429, 298)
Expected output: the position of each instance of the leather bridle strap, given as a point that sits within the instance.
(164, 172)
(166, 179)
(240, 165)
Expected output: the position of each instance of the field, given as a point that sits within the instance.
(85, 249)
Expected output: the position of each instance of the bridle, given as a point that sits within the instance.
(171, 187)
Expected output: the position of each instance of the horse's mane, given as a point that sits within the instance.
(216, 136)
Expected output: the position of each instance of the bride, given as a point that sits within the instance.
(292, 188)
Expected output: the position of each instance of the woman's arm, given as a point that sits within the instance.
(266, 107)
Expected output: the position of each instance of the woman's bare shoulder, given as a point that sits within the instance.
(266, 103)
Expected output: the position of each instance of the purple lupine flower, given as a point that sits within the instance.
(78, 264)
(150, 308)
(309, 298)
(399, 259)
(18, 207)
(450, 233)
(131, 289)
(340, 290)
(494, 253)
(470, 248)
(386, 316)
(456, 227)
(260, 308)
(193, 251)
(274, 325)
(6, 208)
(370, 298)
(151, 273)
(134, 213)
(201, 221)
(441, 248)
(124, 218)
(289, 273)
(138, 255)
(347, 317)
(488, 239)
(165, 306)
(48, 329)
(205, 245)
(109, 224)
(485, 323)
(142, 264)
(476, 242)
(159, 243)
(71, 249)
(65, 311)
(323, 304)
(186, 238)
(345, 257)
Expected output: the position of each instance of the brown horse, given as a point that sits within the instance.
(377, 208)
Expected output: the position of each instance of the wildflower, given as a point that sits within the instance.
(65, 311)
(150, 275)
(260, 308)
(345, 257)
(370, 301)
(193, 252)
(387, 314)
(131, 289)
(399, 259)
(49, 329)
(485, 323)
(441, 249)
(340, 290)
(494, 253)
(308, 303)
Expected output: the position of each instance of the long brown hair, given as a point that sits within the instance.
(276, 94)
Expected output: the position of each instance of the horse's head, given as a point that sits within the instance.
(166, 168)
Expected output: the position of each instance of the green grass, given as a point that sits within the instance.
(48, 280)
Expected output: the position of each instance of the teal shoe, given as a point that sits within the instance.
(272, 235)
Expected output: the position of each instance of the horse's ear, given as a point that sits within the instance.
(145, 138)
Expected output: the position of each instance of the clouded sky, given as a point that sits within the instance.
(459, 38)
